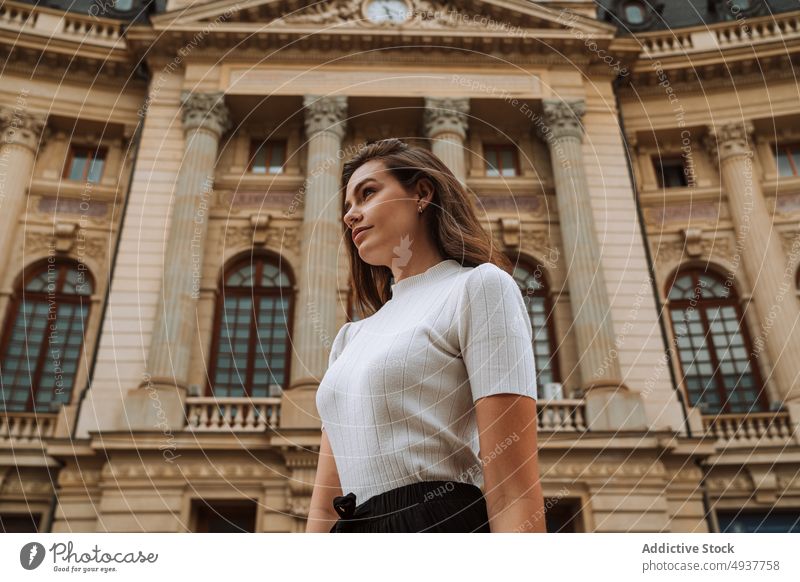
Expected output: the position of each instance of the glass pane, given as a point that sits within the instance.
(95, 169)
(276, 159)
(80, 159)
(509, 163)
(260, 161)
(634, 12)
(492, 165)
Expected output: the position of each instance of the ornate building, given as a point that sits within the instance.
(174, 274)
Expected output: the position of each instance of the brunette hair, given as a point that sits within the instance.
(453, 224)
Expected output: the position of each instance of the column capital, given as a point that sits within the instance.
(729, 139)
(325, 113)
(561, 119)
(205, 111)
(446, 115)
(19, 127)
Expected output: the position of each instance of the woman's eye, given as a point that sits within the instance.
(367, 191)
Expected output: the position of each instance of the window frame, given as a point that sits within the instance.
(498, 148)
(533, 267)
(100, 152)
(700, 305)
(222, 292)
(659, 163)
(13, 311)
(792, 149)
(256, 145)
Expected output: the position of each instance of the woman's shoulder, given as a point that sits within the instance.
(488, 277)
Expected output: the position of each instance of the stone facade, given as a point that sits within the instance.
(143, 443)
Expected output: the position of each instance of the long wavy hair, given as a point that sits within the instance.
(453, 224)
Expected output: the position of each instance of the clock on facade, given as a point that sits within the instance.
(387, 11)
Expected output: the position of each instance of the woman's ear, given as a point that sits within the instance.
(425, 190)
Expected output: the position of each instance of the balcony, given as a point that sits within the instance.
(21, 428)
(776, 28)
(750, 430)
(208, 414)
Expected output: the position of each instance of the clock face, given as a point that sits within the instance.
(394, 11)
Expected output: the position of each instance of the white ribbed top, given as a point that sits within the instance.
(397, 399)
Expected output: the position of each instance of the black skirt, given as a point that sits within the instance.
(428, 506)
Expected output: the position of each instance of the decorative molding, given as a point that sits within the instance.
(446, 115)
(694, 211)
(561, 119)
(205, 111)
(94, 211)
(21, 128)
(430, 14)
(790, 240)
(675, 251)
(274, 237)
(325, 114)
(66, 238)
(787, 203)
(605, 470)
(729, 139)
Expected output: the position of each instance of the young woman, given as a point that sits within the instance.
(432, 398)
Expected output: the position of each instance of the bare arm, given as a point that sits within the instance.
(321, 515)
(513, 491)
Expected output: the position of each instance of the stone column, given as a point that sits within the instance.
(610, 405)
(446, 125)
(762, 256)
(20, 132)
(205, 119)
(315, 322)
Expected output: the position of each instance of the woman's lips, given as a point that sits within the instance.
(360, 234)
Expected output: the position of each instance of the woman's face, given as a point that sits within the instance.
(376, 200)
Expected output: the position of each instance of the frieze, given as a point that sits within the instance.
(676, 250)
(276, 237)
(93, 210)
(660, 216)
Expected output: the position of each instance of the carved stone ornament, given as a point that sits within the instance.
(421, 14)
(562, 119)
(206, 111)
(729, 139)
(281, 239)
(18, 127)
(446, 115)
(325, 114)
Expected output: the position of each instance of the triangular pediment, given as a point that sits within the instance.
(510, 16)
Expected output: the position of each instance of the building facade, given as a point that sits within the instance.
(175, 274)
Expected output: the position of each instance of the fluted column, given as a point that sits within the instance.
(315, 324)
(592, 323)
(205, 119)
(20, 132)
(446, 125)
(609, 403)
(762, 255)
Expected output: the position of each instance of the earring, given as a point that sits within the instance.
(420, 209)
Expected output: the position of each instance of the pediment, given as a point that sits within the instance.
(464, 16)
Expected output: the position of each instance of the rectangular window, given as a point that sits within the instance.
(788, 156)
(85, 164)
(20, 523)
(224, 516)
(501, 160)
(670, 172)
(267, 157)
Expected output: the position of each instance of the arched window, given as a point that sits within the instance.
(250, 348)
(534, 289)
(719, 369)
(44, 333)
